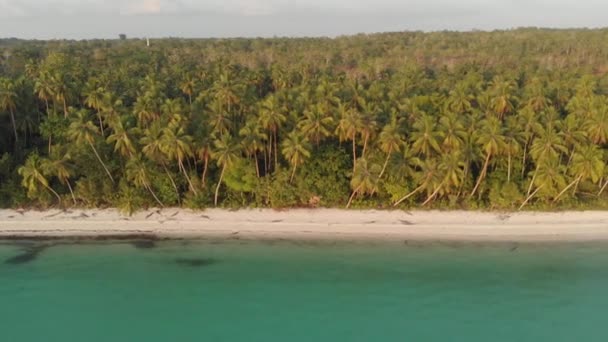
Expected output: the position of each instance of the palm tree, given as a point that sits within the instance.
(33, 176)
(44, 89)
(425, 138)
(82, 131)
(94, 98)
(587, 163)
(8, 101)
(390, 140)
(492, 142)
(61, 167)
(272, 119)
(253, 140)
(177, 145)
(152, 148)
(546, 149)
(226, 153)
(452, 132)
(295, 149)
(121, 138)
(137, 172)
(349, 125)
(502, 101)
(365, 179)
(316, 124)
(187, 86)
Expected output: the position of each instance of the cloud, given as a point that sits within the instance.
(141, 7)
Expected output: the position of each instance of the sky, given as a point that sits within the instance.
(86, 19)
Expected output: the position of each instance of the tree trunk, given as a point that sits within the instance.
(102, 164)
(409, 195)
(354, 152)
(276, 151)
(482, 175)
(509, 168)
(532, 181)
(14, 125)
(172, 182)
(183, 170)
(529, 198)
(576, 181)
(217, 188)
(293, 173)
(603, 188)
(100, 123)
(352, 196)
(388, 156)
(205, 167)
(365, 145)
(53, 191)
(71, 191)
(154, 195)
(65, 108)
(430, 198)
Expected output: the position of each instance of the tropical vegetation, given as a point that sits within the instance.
(498, 120)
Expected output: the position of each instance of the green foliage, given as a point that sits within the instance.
(503, 119)
(325, 175)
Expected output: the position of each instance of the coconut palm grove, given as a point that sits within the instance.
(456, 120)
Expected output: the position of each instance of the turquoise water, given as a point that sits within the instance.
(248, 291)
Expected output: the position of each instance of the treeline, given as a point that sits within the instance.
(503, 119)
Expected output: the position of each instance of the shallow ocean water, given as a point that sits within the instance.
(297, 291)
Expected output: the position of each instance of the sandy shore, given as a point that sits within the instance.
(310, 224)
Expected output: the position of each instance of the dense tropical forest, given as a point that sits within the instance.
(498, 120)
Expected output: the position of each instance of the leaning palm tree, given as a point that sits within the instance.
(60, 166)
(152, 148)
(296, 149)
(137, 172)
(33, 176)
(226, 153)
(177, 145)
(121, 137)
(365, 179)
(587, 163)
(82, 131)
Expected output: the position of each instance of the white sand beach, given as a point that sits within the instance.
(310, 224)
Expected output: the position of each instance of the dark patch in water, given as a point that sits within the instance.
(195, 262)
(29, 254)
(144, 244)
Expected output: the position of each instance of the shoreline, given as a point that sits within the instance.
(307, 224)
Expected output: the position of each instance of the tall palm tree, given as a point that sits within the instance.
(43, 89)
(316, 124)
(296, 149)
(349, 126)
(425, 137)
(226, 153)
(122, 140)
(253, 140)
(365, 179)
(8, 101)
(492, 142)
(137, 172)
(33, 176)
(587, 163)
(272, 119)
(94, 99)
(82, 131)
(177, 146)
(152, 148)
(60, 166)
(390, 140)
